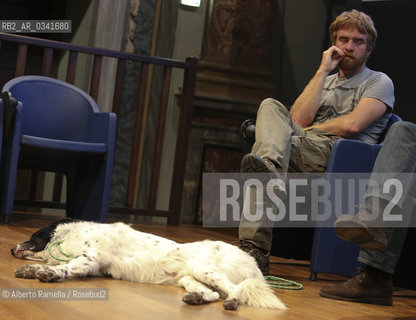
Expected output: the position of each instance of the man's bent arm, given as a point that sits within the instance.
(365, 113)
(307, 104)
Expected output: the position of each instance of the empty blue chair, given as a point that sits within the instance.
(57, 127)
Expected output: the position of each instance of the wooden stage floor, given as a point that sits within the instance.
(128, 300)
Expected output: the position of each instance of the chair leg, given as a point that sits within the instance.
(313, 276)
(6, 218)
(8, 184)
(87, 198)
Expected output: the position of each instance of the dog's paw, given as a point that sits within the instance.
(27, 271)
(48, 275)
(194, 298)
(231, 304)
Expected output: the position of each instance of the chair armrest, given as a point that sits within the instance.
(352, 156)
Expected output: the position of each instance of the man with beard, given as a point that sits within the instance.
(354, 103)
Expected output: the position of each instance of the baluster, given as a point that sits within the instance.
(119, 84)
(47, 62)
(136, 140)
(157, 157)
(96, 74)
(72, 67)
(21, 60)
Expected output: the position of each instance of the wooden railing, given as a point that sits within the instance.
(186, 100)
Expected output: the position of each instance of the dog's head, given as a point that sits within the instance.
(37, 242)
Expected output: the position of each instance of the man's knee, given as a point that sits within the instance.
(272, 105)
(401, 129)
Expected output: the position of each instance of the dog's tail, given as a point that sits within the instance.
(257, 293)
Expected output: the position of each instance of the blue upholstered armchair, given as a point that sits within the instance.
(57, 127)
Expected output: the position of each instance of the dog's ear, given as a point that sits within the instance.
(51, 228)
(41, 237)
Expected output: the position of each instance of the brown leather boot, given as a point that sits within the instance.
(261, 256)
(369, 286)
(363, 229)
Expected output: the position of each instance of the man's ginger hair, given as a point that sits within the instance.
(354, 19)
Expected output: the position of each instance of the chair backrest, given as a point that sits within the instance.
(52, 108)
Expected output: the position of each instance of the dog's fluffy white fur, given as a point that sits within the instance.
(206, 269)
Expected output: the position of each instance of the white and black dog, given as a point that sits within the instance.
(206, 269)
